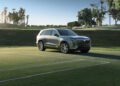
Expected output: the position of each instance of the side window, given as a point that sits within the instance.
(42, 33)
(49, 32)
(54, 33)
(46, 32)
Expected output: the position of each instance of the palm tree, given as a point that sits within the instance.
(27, 19)
(22, 16)
(15, 16)
(2, 17)
(10, 16)
(102, 2)
(97, 14)
(94, 11)
(5, 15)
(110, 5)
(102, 11)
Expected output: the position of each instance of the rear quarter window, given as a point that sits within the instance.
(46, 32)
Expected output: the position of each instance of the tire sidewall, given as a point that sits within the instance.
(40, 43)
(67, 47)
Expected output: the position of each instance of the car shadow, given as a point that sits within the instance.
(92, 54)
(99, 55)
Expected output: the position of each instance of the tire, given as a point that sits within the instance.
(64, 47)
(84, 51)
(41, 46)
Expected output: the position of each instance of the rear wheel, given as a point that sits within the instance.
(64, 47)
(41, 46)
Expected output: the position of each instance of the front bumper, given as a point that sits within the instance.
(81, 45)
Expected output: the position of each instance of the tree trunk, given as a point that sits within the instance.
(109, 19)
(116, 21)
(100, 23)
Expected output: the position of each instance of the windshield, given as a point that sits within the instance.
(67, 32)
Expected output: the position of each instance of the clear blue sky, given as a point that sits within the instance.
(44, 12)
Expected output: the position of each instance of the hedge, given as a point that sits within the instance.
(28, 37)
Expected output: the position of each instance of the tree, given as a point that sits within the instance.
(117, 4)
(94, 11)
(18, 17)
(27, 19)
(5, 15)
(98, 14)
(73, 24)
(100, 17)
(115, 14)
(14, 17)
(21, 14)
(114, 9)
(10, 16)
(102, 13)
(85, 15)
(110, 5)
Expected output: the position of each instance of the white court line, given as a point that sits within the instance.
(50, 72)
(41, 65)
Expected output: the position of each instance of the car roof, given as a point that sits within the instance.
(56, 29)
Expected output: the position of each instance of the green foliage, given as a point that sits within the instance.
(98, 14)
(85, 15)
(115, 14)
(14, 17)
(73, 24)
(30, 27)
(92, 16)
(11, 26)
(114, 9)
(5, 15)
(116, 4)
(110, 4)
(17, 17)
(28, 37)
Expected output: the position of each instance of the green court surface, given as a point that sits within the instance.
(26, 66)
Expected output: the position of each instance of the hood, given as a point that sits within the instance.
(76, 37)
(80, 37)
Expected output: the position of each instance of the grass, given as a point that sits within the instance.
(52, 68)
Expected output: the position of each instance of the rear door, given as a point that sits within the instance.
(48, 34)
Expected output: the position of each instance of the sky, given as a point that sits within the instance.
(56, 12)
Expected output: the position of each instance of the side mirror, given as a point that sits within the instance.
(56, 35)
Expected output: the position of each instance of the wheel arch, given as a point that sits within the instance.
(64, 42)
(40, 40)
(43, 49)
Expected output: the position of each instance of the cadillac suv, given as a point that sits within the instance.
(63, 39)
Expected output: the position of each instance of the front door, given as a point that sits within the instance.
(54, 39)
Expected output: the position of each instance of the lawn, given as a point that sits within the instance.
(26, 66)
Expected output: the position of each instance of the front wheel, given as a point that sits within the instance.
(41, 46)
(64, 47)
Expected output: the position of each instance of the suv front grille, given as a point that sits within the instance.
(84, 43)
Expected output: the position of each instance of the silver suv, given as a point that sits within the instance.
(63, 39)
